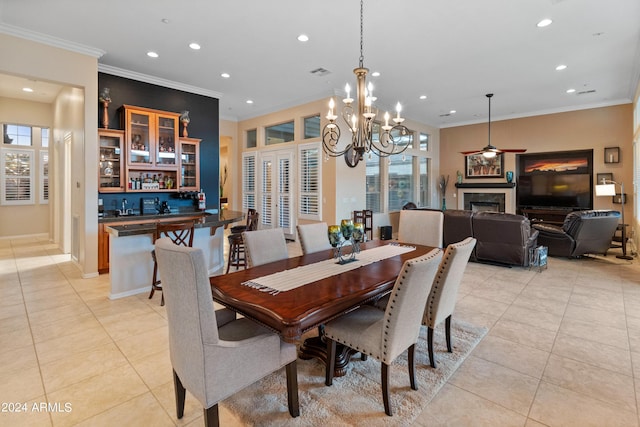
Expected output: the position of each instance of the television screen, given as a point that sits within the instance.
(558, 190)
(560, 179)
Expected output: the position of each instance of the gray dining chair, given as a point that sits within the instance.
(314, 237)
(421, 227)
(386, 335)
(264, 246)
(444, 291)
(213, 354)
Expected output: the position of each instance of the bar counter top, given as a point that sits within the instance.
(210, 219)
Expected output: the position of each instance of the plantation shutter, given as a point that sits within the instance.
(309, 194)
(17, 176)
(248, 181)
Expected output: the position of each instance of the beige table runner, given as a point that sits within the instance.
(290, 279)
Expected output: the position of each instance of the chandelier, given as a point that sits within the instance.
(392, 139)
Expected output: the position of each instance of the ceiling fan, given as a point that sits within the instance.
(490, 150)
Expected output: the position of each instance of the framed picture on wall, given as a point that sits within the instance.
(605, 176)
(479, 166)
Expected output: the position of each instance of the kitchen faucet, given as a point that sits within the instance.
(124, 206)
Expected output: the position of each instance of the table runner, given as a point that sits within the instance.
(290, 279)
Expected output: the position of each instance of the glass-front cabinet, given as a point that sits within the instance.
(189, 164)
(110, 161)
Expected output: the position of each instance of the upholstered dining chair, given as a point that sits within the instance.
(214, 355)
(264, 246)
(314, 237)
(421, 227)
(180, 233)
(444, 291)
(386, 335)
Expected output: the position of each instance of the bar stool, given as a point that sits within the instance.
(180, 233)
(237, 257)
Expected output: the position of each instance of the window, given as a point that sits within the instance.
(279, 134)
(17, 135)
(252, 138)
(400, 181)
(310, 179)
(17, 176)
(248, 181)
(423, 194)
(424, 141)
(373, 195)
(44, 135)
(44, 177)
(312, 127)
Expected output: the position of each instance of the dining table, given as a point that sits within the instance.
(299, 294)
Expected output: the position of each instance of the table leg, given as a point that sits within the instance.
(317, 347)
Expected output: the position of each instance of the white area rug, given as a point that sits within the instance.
(356, 398)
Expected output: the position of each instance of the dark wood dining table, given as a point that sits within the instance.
(292, 313)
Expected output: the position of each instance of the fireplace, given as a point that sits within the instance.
(499, 196)
(486, 206)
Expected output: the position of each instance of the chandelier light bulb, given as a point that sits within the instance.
(398, 109)
(386, 118)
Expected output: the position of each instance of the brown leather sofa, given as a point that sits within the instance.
(583, 232)
(502, 238)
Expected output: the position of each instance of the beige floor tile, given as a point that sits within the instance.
(154, 369)
(37, 293)
(27, 414)
(97, 394)
(13, 323)
(534, 423)
(496, 383)
(20, 388)
(522, 333)
(521, 358)
(495, 292)
(12, 311)
(557, 406)
(120, 327)
(453, 406)
(18, 337)
(555, 293)
(546, 305)
(600, 384)
(56, 313)
(143, 410)
(635, 360)
(478, 318)
(45, 304)
(601, 317)
(596, 332)
(63, 347)
(82, 365)
(533, 317)
(11, 298)
(593, 353)
(151, 342)
(598, 299)
(103, 307)
(16, 359)
(73, 324)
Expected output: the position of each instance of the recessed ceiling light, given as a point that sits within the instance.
(249, 101)
(225, 75)
(152, 54)
(544, 23)
(570, 90)
(423, 96)
(561, 67)
(303, 38)
(194, 46)
(27, 89)
(165, 21)
(452, 112)
(375, 74)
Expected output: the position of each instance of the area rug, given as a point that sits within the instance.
(356, 398)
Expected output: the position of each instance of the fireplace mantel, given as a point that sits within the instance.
(486, 185)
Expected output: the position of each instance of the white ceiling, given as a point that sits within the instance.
(452, 51)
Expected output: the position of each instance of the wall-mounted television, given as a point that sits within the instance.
(559, 179)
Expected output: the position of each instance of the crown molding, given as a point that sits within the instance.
(50, 40)
(146, 78)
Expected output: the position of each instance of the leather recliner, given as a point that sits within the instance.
(583, 232)
(502, 238)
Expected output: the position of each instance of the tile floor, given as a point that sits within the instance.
(563, 347)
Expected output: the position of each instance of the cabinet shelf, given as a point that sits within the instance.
(110, 144)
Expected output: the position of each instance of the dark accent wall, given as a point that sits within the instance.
(204, 115)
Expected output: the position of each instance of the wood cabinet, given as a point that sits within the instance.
(111, 176)
(189, 164)
(151, 140)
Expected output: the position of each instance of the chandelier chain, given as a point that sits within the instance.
(361, 33)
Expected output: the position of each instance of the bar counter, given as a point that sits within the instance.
(130, 246)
